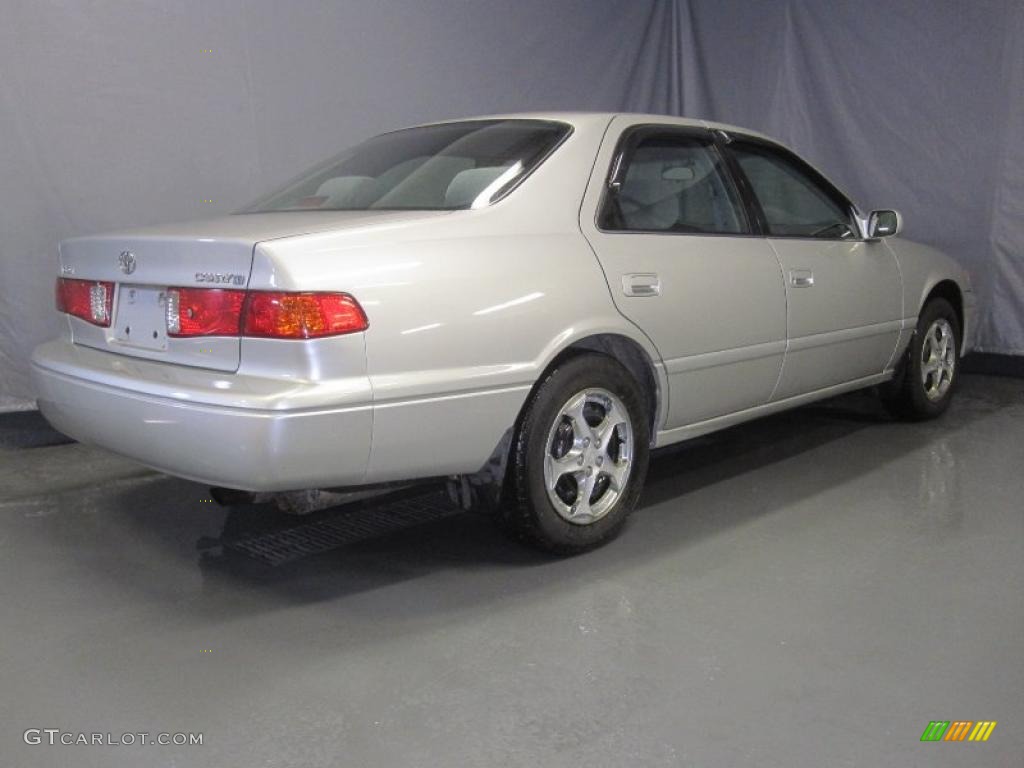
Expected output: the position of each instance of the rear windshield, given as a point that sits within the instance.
(436, 167)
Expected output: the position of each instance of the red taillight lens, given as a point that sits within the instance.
(280, 315)
(204, 312)
(221, 312)
(276, 315)
(90, 300)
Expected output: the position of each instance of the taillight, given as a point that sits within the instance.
(266, 314)
(90, 300)
(280, 315)
(204, 312)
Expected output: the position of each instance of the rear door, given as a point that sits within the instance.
(684, 264)
(844, 294)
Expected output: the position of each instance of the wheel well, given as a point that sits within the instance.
(485, 486)
(631, 356)
(950, 291)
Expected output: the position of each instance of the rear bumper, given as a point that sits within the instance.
(184, 423)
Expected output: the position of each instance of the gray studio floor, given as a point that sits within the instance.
(808, 590)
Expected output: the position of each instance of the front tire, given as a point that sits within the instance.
(924, 385)
(579, 456)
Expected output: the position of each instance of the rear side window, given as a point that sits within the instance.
(669, 181)
(795, 201)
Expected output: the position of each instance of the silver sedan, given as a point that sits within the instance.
(524, 305)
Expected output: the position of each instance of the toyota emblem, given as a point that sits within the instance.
(127, 262)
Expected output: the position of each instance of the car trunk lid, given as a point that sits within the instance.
(214, 253)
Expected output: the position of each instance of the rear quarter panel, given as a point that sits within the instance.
(465, 311)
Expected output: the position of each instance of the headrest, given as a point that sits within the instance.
(347, 191)
(467, 185)
(646, 184)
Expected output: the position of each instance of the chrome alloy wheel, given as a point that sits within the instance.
(938, 359)
(588, 456)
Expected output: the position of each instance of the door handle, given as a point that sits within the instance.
(641, 284)
(801, 278)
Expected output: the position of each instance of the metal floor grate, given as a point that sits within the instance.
(341, 527)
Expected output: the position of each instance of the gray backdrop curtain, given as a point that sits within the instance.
(118, 114)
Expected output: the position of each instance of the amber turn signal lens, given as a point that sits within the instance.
(281, 315)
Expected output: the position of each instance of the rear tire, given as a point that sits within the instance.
(928, 374)
(579, 456)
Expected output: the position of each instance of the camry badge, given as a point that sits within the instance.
(127, 262)
(220, 277)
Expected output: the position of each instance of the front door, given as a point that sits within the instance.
(844, 294)
(673, 238)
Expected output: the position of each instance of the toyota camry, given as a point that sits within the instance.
(521, 305)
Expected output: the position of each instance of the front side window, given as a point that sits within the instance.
(794, 201)
(449, 166)
(672, 182)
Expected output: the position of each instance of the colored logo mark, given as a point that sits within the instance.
(958, 730)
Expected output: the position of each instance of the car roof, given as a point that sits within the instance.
(583, 118)
(578, 118)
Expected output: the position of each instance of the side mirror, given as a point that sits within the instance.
(884, 224)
